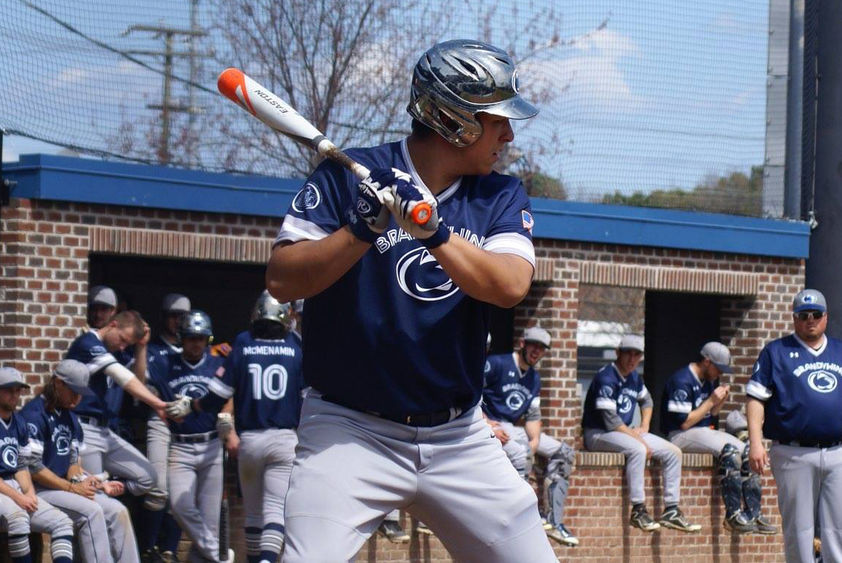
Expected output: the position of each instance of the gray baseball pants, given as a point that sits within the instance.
(264, 465)
(157, 452)
(46, 519)
(808, 478)
(704, 440)
(104, 529)
(668, 454)
(195, 478)
(106, 451)
(352, 468)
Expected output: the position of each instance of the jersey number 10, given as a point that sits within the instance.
(269, 382)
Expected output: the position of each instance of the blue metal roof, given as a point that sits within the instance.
(63, 178)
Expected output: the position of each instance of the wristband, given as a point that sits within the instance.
(438, 238)
(359, 228)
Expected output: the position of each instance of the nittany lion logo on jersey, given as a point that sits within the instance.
(62, 438)
(515, 400)
(420, 276)
(606, 391)
(32, 429)
(680, 396)
(624, 404)
(9, 456)
(308, 197)
(822, 381)
(193, 390)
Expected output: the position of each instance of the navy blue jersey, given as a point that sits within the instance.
(108, 396)
(14, 446)
(265, 379)
(172, 375)
(160, 347)
(684, 393)
(54, 436)
(609, 391)
(395, 335)
(507, 394)
(800, 388)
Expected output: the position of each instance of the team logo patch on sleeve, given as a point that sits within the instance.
(528, 220)
(309, 197)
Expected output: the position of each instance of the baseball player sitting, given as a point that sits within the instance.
(55, 437)
(195, 459)
(263, 375)
(607, 422)
(399, 273)
(512, 392)
(690, 404)
(21, 511)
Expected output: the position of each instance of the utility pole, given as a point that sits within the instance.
(169, 53)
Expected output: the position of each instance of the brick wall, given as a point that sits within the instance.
(44, 250)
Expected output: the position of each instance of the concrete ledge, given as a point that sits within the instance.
(613, 459)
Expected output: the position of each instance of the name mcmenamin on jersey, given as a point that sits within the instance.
(267, 350)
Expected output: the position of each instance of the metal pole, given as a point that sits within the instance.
(792, 179)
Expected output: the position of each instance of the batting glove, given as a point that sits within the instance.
(405, 196)
(224, 423)
(181, 407)
(367, 216)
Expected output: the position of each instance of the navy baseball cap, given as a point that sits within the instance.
(719, 355)
(809, 300)
(75, 375)
(10, 378)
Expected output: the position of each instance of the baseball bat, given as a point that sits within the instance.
(224, 511)
(235, 85)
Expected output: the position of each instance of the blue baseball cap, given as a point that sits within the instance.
(809, 300)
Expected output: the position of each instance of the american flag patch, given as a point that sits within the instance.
(528, 221)
(220, 372)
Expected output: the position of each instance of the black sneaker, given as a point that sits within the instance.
(641, 519)
(393, 531)
(673, 518)
(763, 526)
(151, 556)
(562, 535)
(739, 523)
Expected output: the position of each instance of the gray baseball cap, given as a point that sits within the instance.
(102, 295)
(631, 342)
(75, 375)
(809, 300)
(10, 377)
(719, 355)
(537, 334)
(175, 303)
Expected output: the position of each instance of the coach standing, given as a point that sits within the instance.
(794, 398)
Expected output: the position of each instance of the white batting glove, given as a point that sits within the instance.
(179, 408)
(224, 423)
(405, 196)
(367, 216)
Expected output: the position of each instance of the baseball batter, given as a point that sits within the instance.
(21, 511)
(195, 457)
(395, 323)
(794, 398)
(263, 375)
(690, 404)
(512, 392)
(104, 529)
(104, 449)
(607, 422)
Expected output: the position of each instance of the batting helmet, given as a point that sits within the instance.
(270, 309)
(455, 80)
(195, 323)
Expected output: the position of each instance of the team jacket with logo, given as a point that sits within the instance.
(507, 395)
(172, 375)
(683, 393)
(55, 436)
(14, 446)
(396, 304)
(609, 391)
(800, 388)
(264, 377)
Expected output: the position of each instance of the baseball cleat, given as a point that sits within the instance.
(421, 528)
(764, 526)
(740, 524)
(393, 531)
(562, 535)
(547, 526)
(673, 518)
(640, 519)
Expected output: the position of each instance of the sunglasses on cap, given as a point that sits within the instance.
(804, 315)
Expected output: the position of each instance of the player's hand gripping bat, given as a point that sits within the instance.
(280, 116)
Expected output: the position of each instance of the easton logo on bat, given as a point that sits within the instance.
(266, 96)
